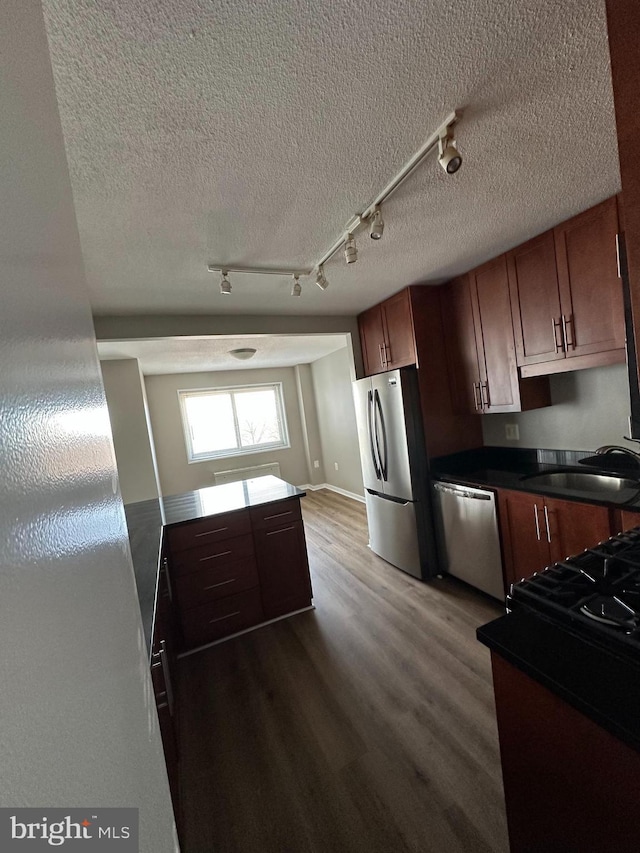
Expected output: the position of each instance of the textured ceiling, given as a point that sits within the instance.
(249, 133)
(195, 355)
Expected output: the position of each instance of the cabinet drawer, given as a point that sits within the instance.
(212, 554)
(216, 582)
(220, 618)
(213, 529)
(276, 514)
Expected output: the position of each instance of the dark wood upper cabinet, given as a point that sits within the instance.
(386, 335)
(460, 343)
(535, 301)
(372, 340)
(590, 289)
(566, 296)
(496, 349)
(398, 325)
(481, 354)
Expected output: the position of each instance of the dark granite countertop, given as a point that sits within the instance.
(147, 519)
(600, 684)
(214, 500)
(512, 468)
(144, 522)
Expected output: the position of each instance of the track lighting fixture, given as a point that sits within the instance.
(350, 249)
(376, 229)
(448, 155)
(321, 281)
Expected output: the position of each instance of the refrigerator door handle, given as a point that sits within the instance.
(379, 418)
(376, 467)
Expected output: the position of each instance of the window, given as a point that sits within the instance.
(222, 422)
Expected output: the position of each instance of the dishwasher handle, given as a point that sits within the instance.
(463, 493)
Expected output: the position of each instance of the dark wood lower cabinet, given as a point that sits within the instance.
(282, 565)
(570, 786)
(537, 531)
(238, 569)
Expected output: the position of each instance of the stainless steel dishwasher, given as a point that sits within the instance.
(469, 528)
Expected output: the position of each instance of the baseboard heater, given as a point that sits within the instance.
(246, 473)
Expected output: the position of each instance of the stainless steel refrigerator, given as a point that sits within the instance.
(395, 471)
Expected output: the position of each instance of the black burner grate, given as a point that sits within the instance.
(596, 592)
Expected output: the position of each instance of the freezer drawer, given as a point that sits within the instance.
(393, 532)
(470, 531)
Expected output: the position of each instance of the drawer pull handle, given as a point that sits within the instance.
(222, 618)
(213, 556)
(210, 532)
(282, 530)
(222, 583)
(277, 515)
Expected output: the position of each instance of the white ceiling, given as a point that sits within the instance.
(250, 133)
(199, 355)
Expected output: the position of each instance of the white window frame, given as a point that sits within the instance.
(192, 457)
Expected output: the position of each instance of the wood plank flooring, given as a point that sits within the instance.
(365, 725)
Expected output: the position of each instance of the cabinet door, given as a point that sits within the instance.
(573, 526)
(627, 520)
(590, 290)
(460, 346)
(535, 301)
(372, 340)
(398, 327)
(524, 544)
(494, 333)
(283, 569)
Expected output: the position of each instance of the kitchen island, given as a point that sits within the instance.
(263, 555)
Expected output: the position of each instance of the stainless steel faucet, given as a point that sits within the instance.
(616, 448)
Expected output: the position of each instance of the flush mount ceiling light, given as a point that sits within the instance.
(225, 284)
(376, 229)
(244, 353)
(449, 158)
(321, 281)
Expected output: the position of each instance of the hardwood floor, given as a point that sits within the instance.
(365, 725)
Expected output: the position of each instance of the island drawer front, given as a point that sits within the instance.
(211, 555)
(216, 582)
(220, 618)
(276, 514)
(216, 528)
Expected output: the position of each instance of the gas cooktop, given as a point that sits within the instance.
(596, 593)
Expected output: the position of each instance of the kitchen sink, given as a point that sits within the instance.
(584, 481)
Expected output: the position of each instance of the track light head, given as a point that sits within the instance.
(448, 155)
(377, 225)
(296, 287)
(225, 284)
(350, 249)
(321, 281)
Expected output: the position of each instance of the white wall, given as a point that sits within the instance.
(332, 377)
(132, 438)
(176, 474)
(589, 408)
(78, 723)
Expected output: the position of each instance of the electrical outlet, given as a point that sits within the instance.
(512, 432)
(336, 466)
(316, 464)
